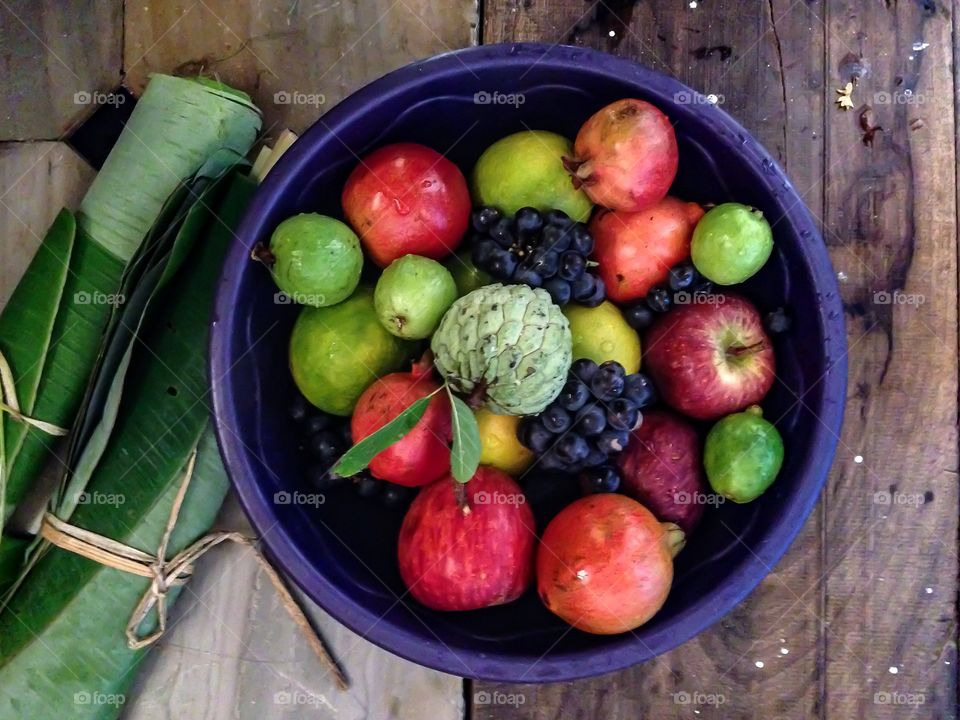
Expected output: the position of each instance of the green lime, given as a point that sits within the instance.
(466, 275)
(412, 295)
(526, 170)
(600, 333)
(316, 260)
(731, 243)
(742, 455)
(337, 352)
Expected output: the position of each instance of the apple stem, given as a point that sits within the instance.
(742, 350)
(460, 493)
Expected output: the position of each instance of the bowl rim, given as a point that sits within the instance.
(418, 646)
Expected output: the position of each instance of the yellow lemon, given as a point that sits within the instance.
(602, 334)
(499, 446)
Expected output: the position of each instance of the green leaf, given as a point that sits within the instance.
(465, 452)
(360, 455)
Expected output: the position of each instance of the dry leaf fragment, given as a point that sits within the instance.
(845, 101)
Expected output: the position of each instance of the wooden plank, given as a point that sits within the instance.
(37, 179)
(891, 219)
(295, 57)
(234, 654)
(768, 67)
(59, 58)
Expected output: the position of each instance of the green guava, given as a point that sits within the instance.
(412, 295)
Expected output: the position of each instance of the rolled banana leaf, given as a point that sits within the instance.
(51, 329)
(63, 650)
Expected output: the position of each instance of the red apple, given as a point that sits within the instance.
(635, 251)
(422, 455)
(625, 156)
(605, 564)
(710, 358)
(661, 468)
(407, 199)
(469, 552)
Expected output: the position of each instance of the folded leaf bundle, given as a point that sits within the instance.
(62, 631)
(51, 328)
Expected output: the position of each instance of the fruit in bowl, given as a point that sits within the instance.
(505, 635)
(470, 549)
(605, 564)
(407, 199)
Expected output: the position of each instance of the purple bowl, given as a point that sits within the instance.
(343, 553)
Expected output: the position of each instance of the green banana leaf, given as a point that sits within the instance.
(62, 631)
(180, 126)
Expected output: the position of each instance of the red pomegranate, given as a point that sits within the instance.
(625, 156)
(407, 199)
(422, 455)
(468, 547)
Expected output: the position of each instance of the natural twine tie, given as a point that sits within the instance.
(164, 574)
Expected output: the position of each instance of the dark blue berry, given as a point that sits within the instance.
(659, 298)
(596, 455)
(591, 420)
(572, 265)
(584, 369)
(598, 296)
(501, 265)
(299, 407)
(394, 495)
(550, 461)
(701, 286)
(545, 262)
(584, 287)
(316, 422)
(555, 419)
(482, 252)
(528, 277)
(368, 487)
(571, 448)
(604, 479)
(622, 414)
(325, 446)
(559, 290)
(501, 232)
(557, 217)
(534, 435)
(608, 383)
(527, 222)
(639, 316)
(777, 321)
(483, 218)
(611, 441)
(639, 390)
(573, 396)
(681, 276)
(555, 237)
(581, 239)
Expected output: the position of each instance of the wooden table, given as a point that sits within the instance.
(859, 620)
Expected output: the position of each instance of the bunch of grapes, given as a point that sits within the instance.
(683, 283)
(547, 250)
(589, 422)
(324, 438)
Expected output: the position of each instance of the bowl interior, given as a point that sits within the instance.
(343, 551)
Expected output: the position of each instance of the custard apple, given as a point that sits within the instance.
(507, 345)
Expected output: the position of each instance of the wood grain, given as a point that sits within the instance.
(890, 216)
(53, 50)
(37, 179)
(297, 58)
